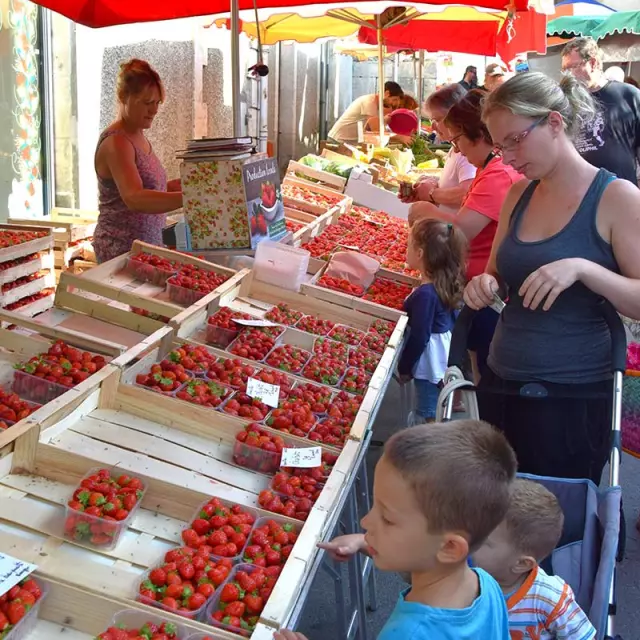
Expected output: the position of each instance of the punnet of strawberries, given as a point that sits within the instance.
(243, 598)
(192, 357)
(12, 238)
(151, 268)
(255, 343)
(348, 335)
(9, 264)
(295, 486)
(13, 408)
(224, 318)
(325, 369)
(344, 405)
(332, 431)
(294, 417)
(16, 603)
(388, 293)
(271, 542)
(319, 474)
(185, 581)
(288, 358)
(150, 314)
(363, 359)
(282, 313)
(232, 372)
(100, 504)
(355, 380)
(198, 279)
(164, 379)
(244, 406)
(257, 449)
(341, 284)
(148, 631)
(316, 325)
(205, 393)
(23, 302)
(222, 530)
(328, 347)
(273, 376)
(289, 506)
(316, 396)
(374, 342)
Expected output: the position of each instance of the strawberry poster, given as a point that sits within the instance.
(264, 200)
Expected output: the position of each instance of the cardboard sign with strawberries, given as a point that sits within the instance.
(265, 209)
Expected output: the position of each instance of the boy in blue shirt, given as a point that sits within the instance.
(439, 491)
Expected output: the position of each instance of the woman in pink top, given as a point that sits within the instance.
(134, 195)
(478, 216)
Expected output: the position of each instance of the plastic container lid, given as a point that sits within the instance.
(403, 122)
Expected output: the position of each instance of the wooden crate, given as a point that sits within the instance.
(326, 179)
(183, 455)
(343, 204)
(313, 225)
(69, 225)
(26, 248)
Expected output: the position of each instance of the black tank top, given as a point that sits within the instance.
(570, 343)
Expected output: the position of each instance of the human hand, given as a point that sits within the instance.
(548, 282)
(174, 185)
(285, 634)
(480, 291)
(342, 548)
(404, 378)
(424, 188)
(420, 210)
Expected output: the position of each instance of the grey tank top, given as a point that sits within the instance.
(570, 343)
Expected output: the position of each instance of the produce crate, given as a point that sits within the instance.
(342, 203)
(312, 225)
(182, 453)
(296, 169)
(69, 225)
(109, 291)
(256, 298)
(45, 280)
(25, 248)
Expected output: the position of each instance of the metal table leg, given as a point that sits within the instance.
(355, 568)
(341, 610)
(364, 504)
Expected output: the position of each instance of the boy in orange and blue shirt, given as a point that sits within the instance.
(540, 606)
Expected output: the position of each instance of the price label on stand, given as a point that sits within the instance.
(13, 571)
(258, 322)
(307, 458)
(263, 391)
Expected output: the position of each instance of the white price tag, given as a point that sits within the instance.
(263, 391)
(258, 322)
(13, 571)
(308, 457)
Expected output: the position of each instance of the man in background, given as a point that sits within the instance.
(494, 76)
(361, 109)
(611, 140)
(470, 79)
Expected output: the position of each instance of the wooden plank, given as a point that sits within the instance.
(332, 181)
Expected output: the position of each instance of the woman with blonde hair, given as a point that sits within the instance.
(133, 192)
(567, 237)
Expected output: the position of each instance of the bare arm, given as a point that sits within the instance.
(469, 221)
(119, 156)
(451, 196)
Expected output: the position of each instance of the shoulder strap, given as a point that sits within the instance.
(523, 202)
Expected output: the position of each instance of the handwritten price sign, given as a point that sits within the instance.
(263, 391)
(258, 322)
(303, 458)
(13, 571)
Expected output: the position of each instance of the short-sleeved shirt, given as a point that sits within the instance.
(485, 619)
(456, 169)
(611, 140)
(360, 110)
(544, 608)
(486, 196)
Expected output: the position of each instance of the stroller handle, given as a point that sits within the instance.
(459, 336)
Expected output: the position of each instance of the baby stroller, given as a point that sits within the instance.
(586, 555)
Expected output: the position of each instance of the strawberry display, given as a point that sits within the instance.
(316, 325)
(303, 486)
(255, 343)
(282, 313)
(16, 603)
(345, 406)
(320, 247)
(150, 314)
(332, 431)
(148, 631)
(288, 358)
(148, 267)
(341, 284)
(232, 372)
(324, 346)
(244, 406)
(362, 359)
(317, 397)
(348, 335)
(221, 530)
(192, 283)
(294, 417)
(13, 238)
(194, 358)
(291, 507)
(221, 329)
(271, 542)
(205, 393)
(163, 380)
(184, 582)
(99, 506)
(325, 369)
(382, 327)
(13, 408)
(388, 293)
(292, 225)
(23, 302)
(355, 380)
(242, 599)
(374, 342)
(255, 448)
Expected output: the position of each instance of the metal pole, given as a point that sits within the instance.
(420, 80)
(380, 78)
(235, 68)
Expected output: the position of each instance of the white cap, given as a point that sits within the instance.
(614, 73)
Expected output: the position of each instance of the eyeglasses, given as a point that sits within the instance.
(573, 67)
(510, 144)
(454, 144)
